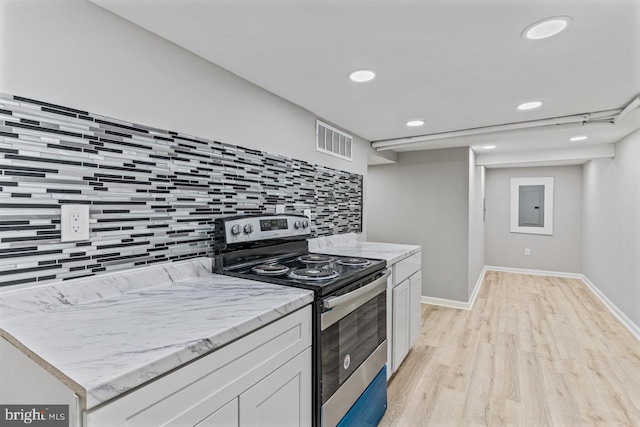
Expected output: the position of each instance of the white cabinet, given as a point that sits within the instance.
(415, 311)
(227, 416)
(400, 323)
(281, 399)
(403, 310)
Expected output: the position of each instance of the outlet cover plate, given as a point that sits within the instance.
(74, 222)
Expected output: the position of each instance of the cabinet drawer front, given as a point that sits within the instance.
(406, 267)
(190, 394)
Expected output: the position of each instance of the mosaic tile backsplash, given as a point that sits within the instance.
(153, 194)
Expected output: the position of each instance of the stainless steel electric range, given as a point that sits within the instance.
(349, 315)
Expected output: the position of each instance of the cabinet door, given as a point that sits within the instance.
(283, 398)
(227, 416)
(400, 323)
(415, 312)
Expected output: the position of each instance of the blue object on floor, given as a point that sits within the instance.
(371, 406)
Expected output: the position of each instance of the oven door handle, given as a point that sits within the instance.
(373, 288)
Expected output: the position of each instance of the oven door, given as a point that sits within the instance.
(353, 346)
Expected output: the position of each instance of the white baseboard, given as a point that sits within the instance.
(623, 318)
(534, 272)
(454, 303)
(476, 289)
(445, 302)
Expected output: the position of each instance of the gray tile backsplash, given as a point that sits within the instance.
(153, 194)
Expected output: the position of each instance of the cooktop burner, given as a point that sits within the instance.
(313, 274)
(270, 269)
(315, 258)
(353, 262)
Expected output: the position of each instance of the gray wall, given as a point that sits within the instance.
(74, 53)
(476, 222)
(424, 200)
(611, 249)
(559, 252)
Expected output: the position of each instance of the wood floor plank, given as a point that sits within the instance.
(476, 402)
(536, 411)
(564, 408)
(591, 408)
(533, 351)
(507, 382)
(400, 390)
(421, 406)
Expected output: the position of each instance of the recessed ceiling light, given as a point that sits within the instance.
(529, 105)
(577, 138)
(488, 147)
(414, 123)
(361, 76)
(547, 27)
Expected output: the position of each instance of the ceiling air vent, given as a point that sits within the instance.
(330, 140)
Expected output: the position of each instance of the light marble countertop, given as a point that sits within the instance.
(102, 347)
(346, 245)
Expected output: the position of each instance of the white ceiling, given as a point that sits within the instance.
(457, 64)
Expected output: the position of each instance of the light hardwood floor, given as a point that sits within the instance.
(533, 351)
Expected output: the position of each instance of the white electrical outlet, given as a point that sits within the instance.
(527, 251)
(280, 209)
(74, 222)
(307, 213)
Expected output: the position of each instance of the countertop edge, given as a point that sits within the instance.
(404, 256)
(65, 379)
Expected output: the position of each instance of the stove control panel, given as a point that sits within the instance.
(255, 228)
(271, 224)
